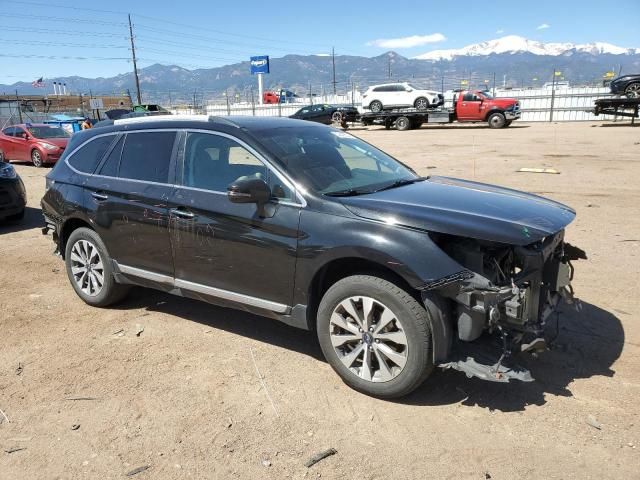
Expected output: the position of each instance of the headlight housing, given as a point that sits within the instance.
(48, 146)
(7, 171)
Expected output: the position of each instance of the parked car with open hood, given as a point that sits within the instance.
(309, 225)
(41, 144)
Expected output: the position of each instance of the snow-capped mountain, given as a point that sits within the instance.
(517, 44)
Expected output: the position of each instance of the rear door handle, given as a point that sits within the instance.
(99, 196)
(182, 213)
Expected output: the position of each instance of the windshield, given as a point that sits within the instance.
(48, 132)
(330, 161)
(487, 95)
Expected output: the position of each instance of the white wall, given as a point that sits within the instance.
(569, 104)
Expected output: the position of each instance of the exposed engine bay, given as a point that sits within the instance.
(508, 292)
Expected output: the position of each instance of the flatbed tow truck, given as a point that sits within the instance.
(618, 106)
(468, 106)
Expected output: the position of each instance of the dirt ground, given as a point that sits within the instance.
(185, 397)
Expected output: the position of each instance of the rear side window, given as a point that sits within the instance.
(110, 166)
(88, 157)
(146, 156)
(8, 131)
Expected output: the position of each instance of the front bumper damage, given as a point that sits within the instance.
(503, 303)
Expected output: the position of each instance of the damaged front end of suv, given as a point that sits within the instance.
(502, 301)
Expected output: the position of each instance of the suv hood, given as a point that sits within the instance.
(466, 209)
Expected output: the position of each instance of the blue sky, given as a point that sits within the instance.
(45, 37)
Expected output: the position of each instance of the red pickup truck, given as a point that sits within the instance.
(468, 106)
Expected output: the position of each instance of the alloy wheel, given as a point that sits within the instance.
(422, 104)
(87, 267)
(633, 90)
(368, 339)
(36, 158)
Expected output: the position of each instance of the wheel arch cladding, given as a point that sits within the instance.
(68, 227)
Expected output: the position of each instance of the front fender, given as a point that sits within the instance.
(407, 252)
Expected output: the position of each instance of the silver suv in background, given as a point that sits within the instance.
(400, 95)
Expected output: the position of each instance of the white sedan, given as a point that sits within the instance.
(400, 95)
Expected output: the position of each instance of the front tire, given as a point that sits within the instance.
(496, 120)
(421, 103)
(375, 335)
(36, 158)
(633, 90)
(90, 269)
(375, 106)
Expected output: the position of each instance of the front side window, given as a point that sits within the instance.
(213, 162)
(146, 156)
(329, 161)
(87, 158)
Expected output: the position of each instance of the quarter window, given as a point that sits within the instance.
(213, 162)
(88, 157)
(110, 166)
(146, 156)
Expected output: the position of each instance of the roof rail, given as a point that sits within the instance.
(164, 118)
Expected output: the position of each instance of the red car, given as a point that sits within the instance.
(40, 144)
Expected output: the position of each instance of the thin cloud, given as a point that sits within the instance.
(499, 31)
(407, 42)
(543, 26)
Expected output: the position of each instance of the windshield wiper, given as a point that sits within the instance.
(400, 183)
(351, 192)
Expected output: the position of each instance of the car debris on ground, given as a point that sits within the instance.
(320, 456)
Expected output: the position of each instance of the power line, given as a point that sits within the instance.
(62, 32)
(58, 44)
(61, 57)
(61, 19)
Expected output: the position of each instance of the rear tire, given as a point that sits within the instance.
(496, 120)
(403, 123)
(90, 269)
(386, 352)
(375, 106)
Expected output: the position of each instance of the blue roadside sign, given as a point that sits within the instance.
(260, 64)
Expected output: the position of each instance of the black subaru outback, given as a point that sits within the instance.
(311, 226)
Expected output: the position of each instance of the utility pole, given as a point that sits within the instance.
(333, 62)
(19, 110)
(135, 66)
(553, 94)
(389, 66)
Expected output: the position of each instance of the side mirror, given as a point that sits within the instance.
(249, 190)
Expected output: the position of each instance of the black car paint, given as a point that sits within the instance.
(325, 115)
(619, 85)
(280, 256)
(13, 196)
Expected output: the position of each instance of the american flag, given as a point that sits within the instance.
(38, 83)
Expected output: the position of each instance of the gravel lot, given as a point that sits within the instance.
(185, 397)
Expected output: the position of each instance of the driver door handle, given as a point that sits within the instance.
(178, 212)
